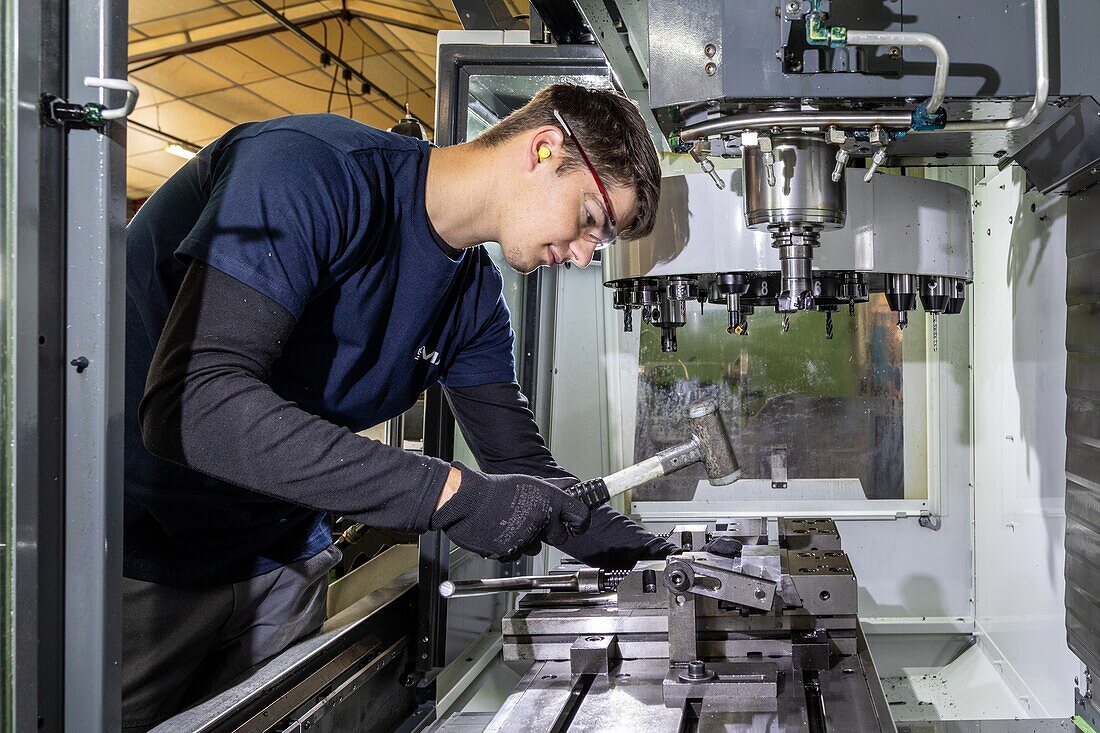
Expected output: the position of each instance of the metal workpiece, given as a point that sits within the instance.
(689, 537)
(748, 530)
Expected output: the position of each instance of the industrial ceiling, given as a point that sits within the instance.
(203, 66)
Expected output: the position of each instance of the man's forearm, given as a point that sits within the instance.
(501, 430)
(207, 405)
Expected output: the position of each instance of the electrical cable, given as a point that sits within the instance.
(279, 74)
(335, 67)
(154, 62)
(163, 135)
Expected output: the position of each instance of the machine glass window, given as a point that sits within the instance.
(800, 404)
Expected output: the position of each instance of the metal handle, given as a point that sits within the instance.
(582, 581)
(122, 85)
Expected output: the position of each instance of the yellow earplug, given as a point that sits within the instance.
(544, 152)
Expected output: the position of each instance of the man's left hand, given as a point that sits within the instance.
(613, 541)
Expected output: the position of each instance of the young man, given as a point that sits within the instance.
(302, 279)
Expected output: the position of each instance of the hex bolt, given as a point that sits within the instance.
(697, 670)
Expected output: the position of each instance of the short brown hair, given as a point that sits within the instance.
(613, 134)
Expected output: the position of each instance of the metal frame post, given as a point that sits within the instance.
(435, 548)
(21, 70)
(96, 317)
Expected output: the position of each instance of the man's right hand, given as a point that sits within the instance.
(499, 516)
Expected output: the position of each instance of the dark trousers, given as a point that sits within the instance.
(183, 645)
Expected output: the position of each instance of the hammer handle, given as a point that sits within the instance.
(592, 492)
(597, 491)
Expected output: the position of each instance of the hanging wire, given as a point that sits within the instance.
(154, 62)
(336, 67)
(279, 74)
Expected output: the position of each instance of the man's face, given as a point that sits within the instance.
(552, 218)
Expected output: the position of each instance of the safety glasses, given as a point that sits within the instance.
(600, 226)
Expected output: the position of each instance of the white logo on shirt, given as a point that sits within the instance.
(428, 356)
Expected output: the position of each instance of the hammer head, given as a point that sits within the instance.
(708, 430)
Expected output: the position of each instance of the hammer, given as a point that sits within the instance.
(710, 443)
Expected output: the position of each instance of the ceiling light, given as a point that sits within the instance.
(179, 151)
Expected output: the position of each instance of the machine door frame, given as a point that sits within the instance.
(457, 63)
(63, 258)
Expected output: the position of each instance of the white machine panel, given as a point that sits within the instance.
(895, 224)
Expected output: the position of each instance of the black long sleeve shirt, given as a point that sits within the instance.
(208, 407)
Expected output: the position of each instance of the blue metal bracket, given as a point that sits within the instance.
(923, 120)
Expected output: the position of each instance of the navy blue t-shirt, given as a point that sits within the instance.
(326, 217)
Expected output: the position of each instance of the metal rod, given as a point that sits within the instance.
(905, 38)
(321, 48)
(1042, 84)
(766, 120)
(582, 581)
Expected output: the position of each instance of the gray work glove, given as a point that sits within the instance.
(500, 516)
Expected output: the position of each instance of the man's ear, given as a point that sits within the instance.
(543, 147)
